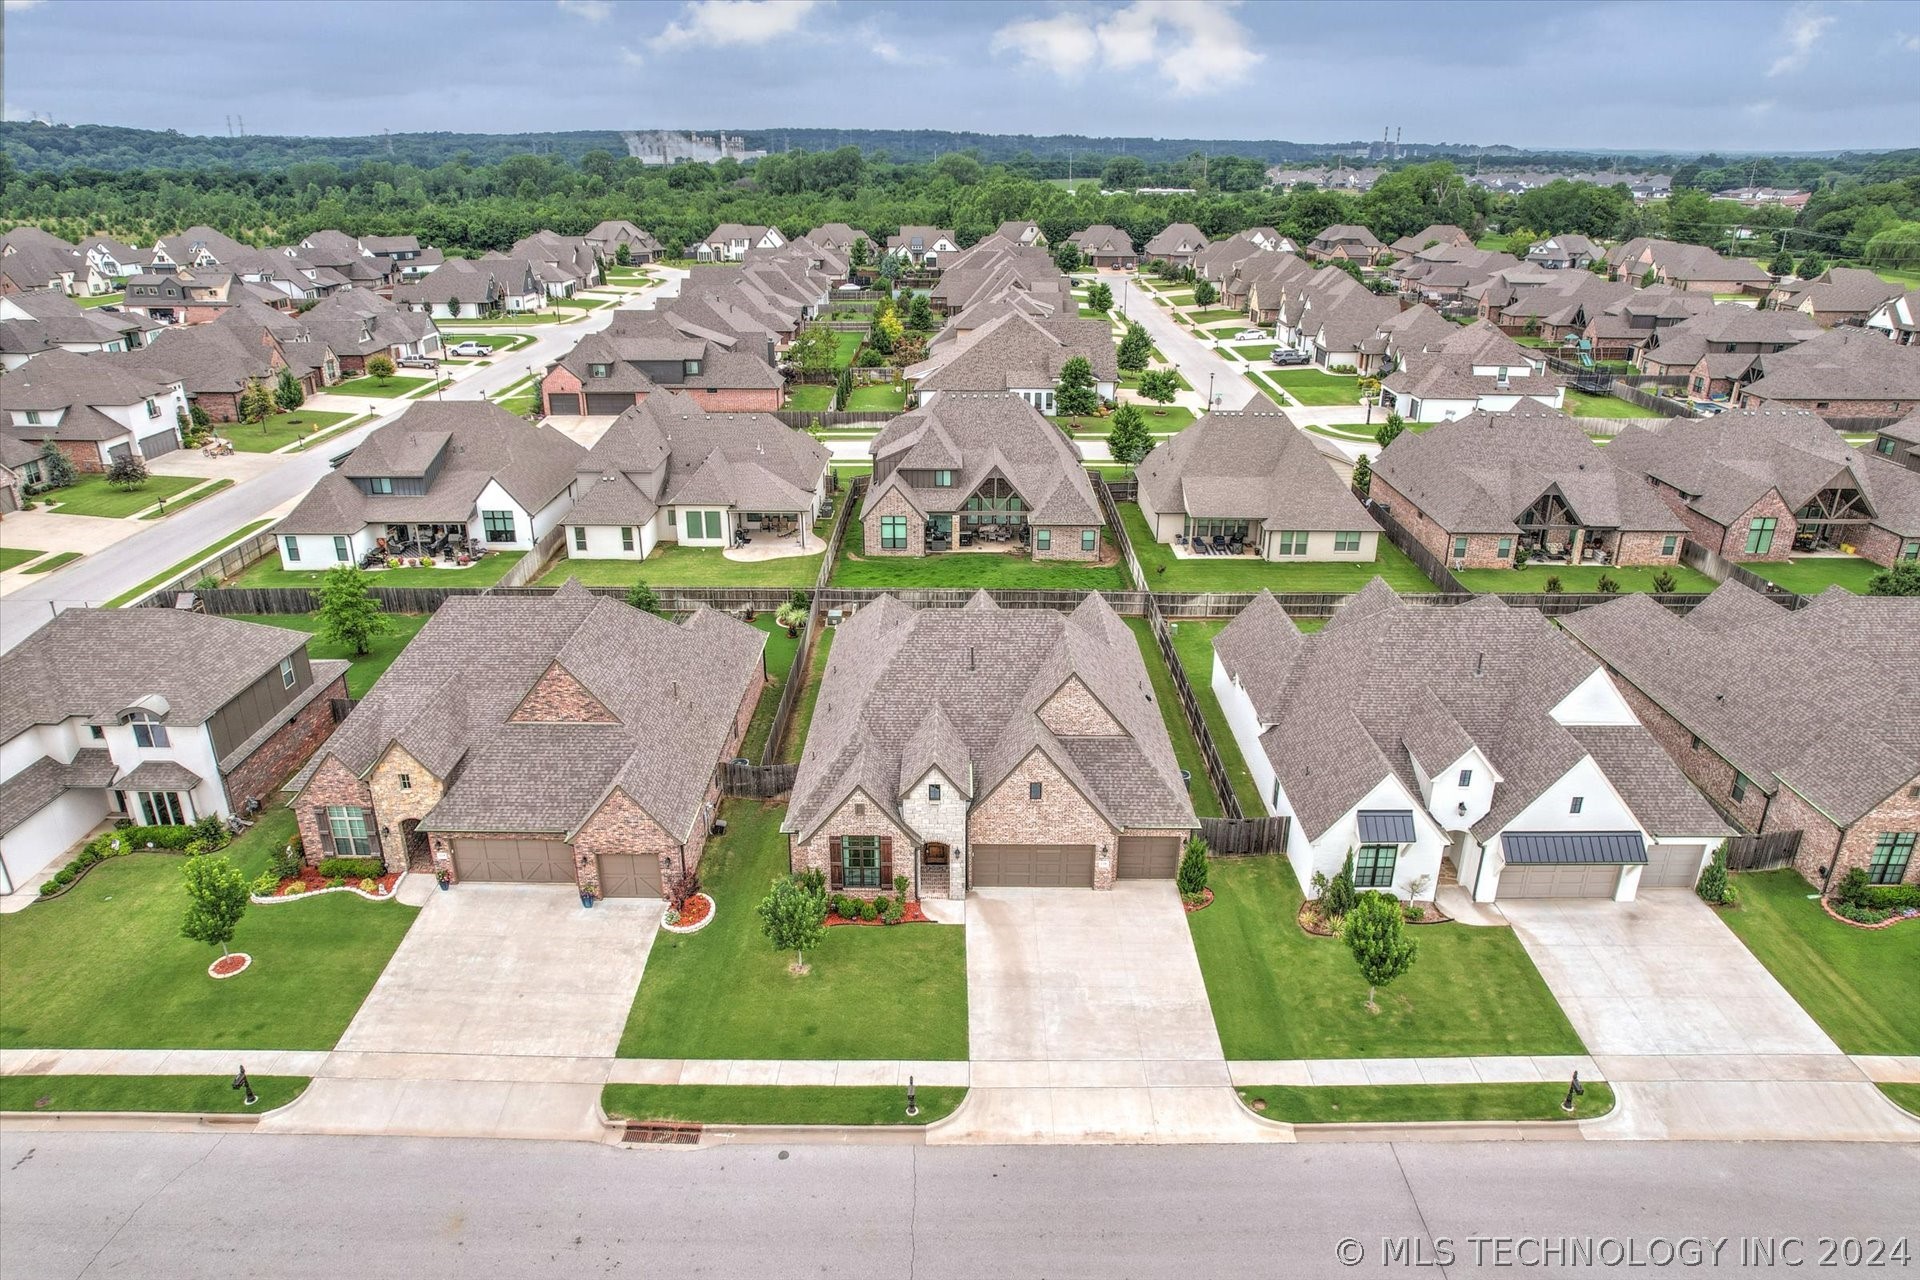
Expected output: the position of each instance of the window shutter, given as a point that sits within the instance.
(836, 870)
(886, 862)
(326, 829)
(373, 834)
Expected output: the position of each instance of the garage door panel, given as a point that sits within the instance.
(1149, 857)
(1039, 866)
(629, 875)
(1592, 881)
(512, 861)
(1672, 866)
(564, 406)
(159, 443)
(604, 402)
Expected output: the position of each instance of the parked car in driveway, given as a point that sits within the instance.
(416, 362)
(471, 348)
(1250, 335)
(1285, 355)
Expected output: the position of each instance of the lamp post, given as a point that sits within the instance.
(240, 1081)
(913, 1106)
(1574, 1090)
(1209, 392)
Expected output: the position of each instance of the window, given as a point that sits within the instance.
(153, 407)
(626, 537)
(1505, 550)
(162, 809)
(1035, 790)
(1579, 803)
(1910, 551)
(1466, 778)
(286, 673)
(148, 732)
(1884, 445)
(1459, 548)
(380, 484)
(1740, 784)
(31, 472)
(349, 827)
(672, 517)
(1348, 541)
(1290, 543)
(579, 537)
(689, 368)
(340, 551)
(893, 533)
(596, 371)
(1669, 544)
(1760, 535)
(95, 732)
(1043, 539)
(933, 791)
(712, 519)
(1276, 794)
(293, 549)
(406, 782)
(1373, 866)
(943, 479)
(1089, 540)
(1891, 854)
(498, 525)
(860, 861)
(33, 417)
(1695, 740)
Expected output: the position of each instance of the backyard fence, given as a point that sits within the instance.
(802, 420)
(533, 563)
(802, 667)
(1433, 566)
(1721, 569)
(1123, 490)
(1763, 852)
(225, 565)
(1239, 837)
(761, 781)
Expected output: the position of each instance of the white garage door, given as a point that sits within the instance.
(1585, 881)
(1672, 866)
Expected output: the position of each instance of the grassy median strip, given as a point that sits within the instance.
(14, 557)
(212, 1094)
(1904, 1095)
(180, 504)
(778, 1104)
(53, 562)
(1423, 1103)
(205, 553)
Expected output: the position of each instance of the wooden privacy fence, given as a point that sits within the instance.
(803, 652)
(1762, 852)
(1430, 564)
(762, 781)
(225, 565)
(1720, 569)
(1123, 489)
(801, 420)
(1237, 837)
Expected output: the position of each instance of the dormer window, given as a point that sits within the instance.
(380, 484)
(943, 479)
(33, 417)
(153, 408)
(147, 731)
(596, 371)
(689, 368)
(933, 791)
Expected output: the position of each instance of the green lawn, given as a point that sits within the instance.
(810, 398)
(14, 557)
(1579, 404)
(1212, 314)
(1248, 573)
(1811, 576)
(1193, 645)
(521, 398)
(91, 495)
(969, 569)
(378, 388)
(778, 1104)
(1428, 1103)
(366, 669)
(1258, 351)
(188, 499)
(203, 1094)
(105, 967)
(1904, 1095)
(101, 300)
(795, 740)
(1161, 420)
(430, 389)
(725, 993)
(779, 661)
(672, 565)
(1279, 993)
(278, 431)
(846, 345)
(205, 553)
(1206, 803)
(486, 571)
(1312, 387)
(53, 562)
(1906, 279)
(1845, 977)
(1581, 578)
(877, 397)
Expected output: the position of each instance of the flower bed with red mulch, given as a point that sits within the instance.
(912, 915)
(1205, 900)
(228, 965)
(691, 918)
(313, 882)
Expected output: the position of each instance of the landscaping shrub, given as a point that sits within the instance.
(683, 889)
(286, 861)
(1895, 897)
(1714, 885)
(881, 902)
(1862, 915)
(1192, 876)
(1853, 888)
(1664, 583)
(369, 885)
(895, 911)
(264, 884)
(351, 868)
(868, 911)
(1553, 585)
(901, 885)
(1339, 898)
(1608, 585)
(297, 887)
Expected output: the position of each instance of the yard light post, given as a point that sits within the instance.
(1574, 1090)
(240, 1081)
(1209, 393)
(913, 1106)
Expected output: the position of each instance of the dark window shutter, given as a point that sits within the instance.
(886, 862)
(836, 870)
(373, 834)
(326, 830)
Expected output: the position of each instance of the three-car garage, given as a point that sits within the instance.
(511, 860)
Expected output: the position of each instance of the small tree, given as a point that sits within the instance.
(793, 915)
(1204, 294)
(1129, 440)
(857, 253)
(813, 350)
(1362, 475)
(920, 314)
(129, 471)
(453, 308)
(255, 402)
(1390, 430)
(1100, 297)
(843, 389)
(380, 367)
(1663, 582)
(1376, 933)
(348, 615)
(641, 597)
(1900, 579)
(1160, 386)
(1649, 278)
(885, 330)
(1714, 885)
(1075, 396)
(1136, 348)
(622, 254)
(1192, 876)
(1337, 901)
(287, 395)
(1066, 256)
(1608, 585)
(55, 471)
(216, 900)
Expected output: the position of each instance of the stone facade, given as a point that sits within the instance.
(892, 503)
(1629, 547)
(1061, 816)
(558, 698)
(943, 820)
(1073, 712)
(403, 791)
(260, 774)
(859, 815)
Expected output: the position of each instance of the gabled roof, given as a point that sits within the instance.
(1250, 465)
(1345, 233)
(1436, 233)
(1840, 364)
(1180, 237)
(669, 451)
(978, 435)
(1017, 351)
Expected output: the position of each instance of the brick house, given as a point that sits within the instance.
(613, 370)
(980, 747)
(1788, 721)
(1692, 267)
(93, 409)
(156, 715)
(1473, 490)
(979, 471)
(1756, 484)
(1177, 244)
(1106, 248)
(1842, 373)
(1838, 295)
(607, 237)
(1438, 233)
(1346, 243)
(1622, 329)
(1900, 441)
(577, 744)
(215, 362)
(1017, 353)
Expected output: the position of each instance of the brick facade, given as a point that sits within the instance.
(1773, 506)
(219, 406)
(892, 503)
(1836, 408)
(1704, 766)
(619, 826)
(259, 776)
(860, 815)
(331, 784)
(1629, 547)
(1061, 816)
(560, 380)
(558, 698)
(1066, 543)
(1073, 712)
(83, 454)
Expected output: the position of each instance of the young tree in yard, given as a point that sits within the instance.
(1390, 430)
(640, 596)
(843, 388)
(1160, 386)
(885, 330)
(1136, 348)
(1075, 395)
(1376, 933)
(920, 314)
(1362, 475)
(216, 900)
(255, 402)
(1100, 297)
(813, 350)
(129, 471)
(348, 615)
(1129, 441)
(453, 308)
(622, 254)
(1901, 579)
(1067, 257)
(380, 367)
(1204, 294)
(857, 252)
(1192, 876)
(793, 915)
(55, 471)
(287, 395)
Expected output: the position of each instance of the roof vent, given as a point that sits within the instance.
(1479, 664)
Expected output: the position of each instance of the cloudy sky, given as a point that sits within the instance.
(1738, 74)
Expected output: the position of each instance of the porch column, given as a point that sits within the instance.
(1579, 545)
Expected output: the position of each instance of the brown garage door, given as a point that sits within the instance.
(629, 875)
(1591, 881)
(564, 406)
(1149, 857)
(514, 861)
(1043, 866)
(603, 402)
(1672, 866)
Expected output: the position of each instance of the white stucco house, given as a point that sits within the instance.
(93, 408)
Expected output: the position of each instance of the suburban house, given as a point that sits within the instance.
(1334, 327)
(1789, 721)
(93, 409)
(1838, 295)
(1472, 368)
(1898, 319)
(1252, 480)
(1719, 350)
(1106, 248)
(567, 739)
(984, 747)
(469, 288)
(1019, 353)
(464, 473)
(1026, 234)
(1564, 253)
(923, 246)
(213, 363)
(112, 261)
(731, 240)
(1262, 285)
(1473, 743)
(195, 247)
(1558, 307)
(190, 295)
(669, 470)
(1755, 484)
(1622, 329)
(208, 721)
(1900, 441)
(1692, 267)
(20, 472)
(42, 320)
(607, 237)
(32, 259)
(1177, 244)
(1843, 373)
(403, 256)
(1347, 243)
(1450, 273)
(976, 471)
(641, 352)
(1473, 490)
(563, 264)
(340, 254)
(840, 238)
(358, 323)
(1436, 234)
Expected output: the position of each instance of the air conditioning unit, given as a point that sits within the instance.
(1459, 563)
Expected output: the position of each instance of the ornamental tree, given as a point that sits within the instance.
(1362, 475)
(380, 367)
(641, 596)
(287, 395)
(1390, 430)
(1204, 294)
(1376, 933)
(793, 915)
(1075, 396)
(216, 900)
(55, 470)
(348, 615)
(129, 471)
(1100, 297)
(1136, 348)
(1160, 386)
(1129, 441)
(813, 350)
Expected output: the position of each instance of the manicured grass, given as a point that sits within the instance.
(1212, 314)
(1161, 420)
(817, 398)
(484, 572)
(1193, 645)
(497, 342)
(1164, 572)
(378, 388)
(101, 300)
(430, 389)
(1581, 578)
(672, 565)
(14, 557)
(147, 588)
(879, 396)
(1904, 1095)
(278, 431)
(203, 1094)
(1856, 983)
(188, 499)
(520, 398)
(1908, 279)
(778, 1104)
(778, 656)
(1429, 1103)
(969, 569)
(1811, 576)
(53, 562)
(846, 345)
(91, 495)
(724, 992)
(795, 740)
(1280, 993)
(366, 668)
(1579, 404)
(1312, 387)
(580, 304)
(1206, 803)
(105, 967)
(1258, 351)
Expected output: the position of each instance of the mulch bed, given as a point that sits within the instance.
(1206, 900)
(1888, 923)
(313, 880)
(227, 966)
(1310, 921)
(697, 909)
(913, 915)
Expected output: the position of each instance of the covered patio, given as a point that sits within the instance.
(1551, 532)
(1205, 536)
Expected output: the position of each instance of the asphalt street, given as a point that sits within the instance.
(1191, 356)
(159, 1206)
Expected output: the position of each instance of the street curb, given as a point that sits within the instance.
(124, 1121)
(1431, 1130)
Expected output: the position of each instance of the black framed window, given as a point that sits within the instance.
(893, 533)
(1892, 854)
(1373, 866)
(498, 525)
(1035, 790)
(860, 861)
(162, 809)
(933, 791)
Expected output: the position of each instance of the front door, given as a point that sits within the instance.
(419, 853)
